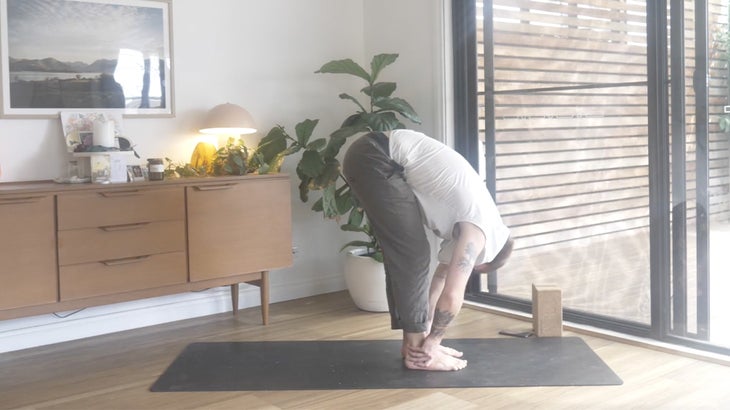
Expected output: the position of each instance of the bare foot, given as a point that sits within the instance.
(451, 352)
(444, 349)
(439, 362)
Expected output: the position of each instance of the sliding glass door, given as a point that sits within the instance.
(699, 172)
(595, 124)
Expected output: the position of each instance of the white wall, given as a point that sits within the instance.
(261, 55)
(418, 30)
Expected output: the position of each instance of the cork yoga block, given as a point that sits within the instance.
(547, 311)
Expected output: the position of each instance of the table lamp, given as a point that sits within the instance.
(228, 119)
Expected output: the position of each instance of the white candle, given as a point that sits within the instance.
(104, 133)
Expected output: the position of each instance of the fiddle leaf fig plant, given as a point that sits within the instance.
(319, 169)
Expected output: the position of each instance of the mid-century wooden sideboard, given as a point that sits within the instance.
(68, 246)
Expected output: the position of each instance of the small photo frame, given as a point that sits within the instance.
(135, 173)
(87, 139)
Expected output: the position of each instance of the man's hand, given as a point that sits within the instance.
(432, 356)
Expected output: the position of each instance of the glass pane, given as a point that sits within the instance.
(571, 152)
(718, 174)
(700, 182)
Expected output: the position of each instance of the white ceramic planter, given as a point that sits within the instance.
(365, 279)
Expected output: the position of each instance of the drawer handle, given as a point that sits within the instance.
(124, 261)
(113, 194)
(213, 187)
(21, 200)
(113, 228)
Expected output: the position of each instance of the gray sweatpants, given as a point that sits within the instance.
(395, 216)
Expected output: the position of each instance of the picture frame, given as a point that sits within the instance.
(120, 60)
(135, 173)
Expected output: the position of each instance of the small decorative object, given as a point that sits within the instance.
(203, 157)
(79, 129)
(73, 174)
(134, 173)
(103, 167)
(72, 170)
(104, 133)
(100, 169)
(156, 169)
(117, 167)
(87, 139)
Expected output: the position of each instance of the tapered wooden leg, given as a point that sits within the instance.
(234, 298)
(264, 288)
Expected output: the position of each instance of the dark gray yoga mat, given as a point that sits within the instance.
(376, 364)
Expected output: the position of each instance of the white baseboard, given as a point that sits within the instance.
(24, 333)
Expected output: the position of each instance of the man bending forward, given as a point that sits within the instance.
(404, 180)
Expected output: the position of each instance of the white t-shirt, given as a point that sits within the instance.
(449, 191)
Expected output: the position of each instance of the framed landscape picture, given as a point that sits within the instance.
(96, 55)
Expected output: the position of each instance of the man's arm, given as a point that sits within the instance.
(498, 260)
(470, 242)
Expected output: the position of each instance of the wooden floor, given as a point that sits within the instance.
(115, 371)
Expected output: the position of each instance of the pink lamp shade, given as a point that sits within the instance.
(228, 119)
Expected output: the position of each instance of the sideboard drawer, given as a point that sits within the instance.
(27, 251)
(119, 207)
(251, 217)
(122, 275)
(120, 241)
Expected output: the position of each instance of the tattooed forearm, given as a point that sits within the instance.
(466, 261)
(441, 320)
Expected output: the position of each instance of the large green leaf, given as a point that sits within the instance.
(304, 131)
(272, 144)
(329, 174)
(311, 164)
(383, 121)
(303, 186)
(399, 105)
(255, 161)
(379, 90)
(346, 66)
(356, 216)
(345, 96)
(344, 200)
(379, 62)
(334, 145)
(342, 134)
(317, 144)
(239, 161)
(351, 228)
(275, 164)
(293, 148)
(353, 120)
(329, 205)
(317, 206)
